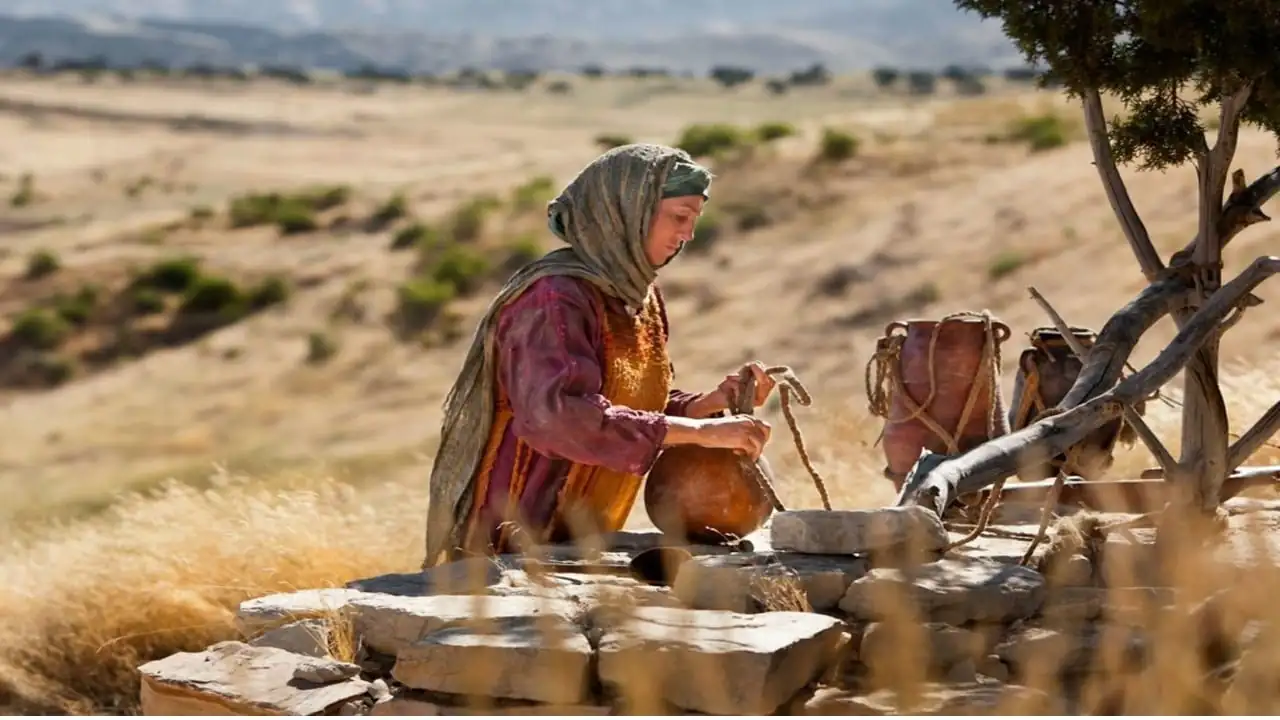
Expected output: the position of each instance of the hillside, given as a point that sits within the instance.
(931, 217)
(246, 300)
(442, 36)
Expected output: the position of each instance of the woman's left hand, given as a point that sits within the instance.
(729, 387)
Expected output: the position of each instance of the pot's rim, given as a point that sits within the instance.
(1052, 330)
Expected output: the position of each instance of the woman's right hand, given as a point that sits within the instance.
(741, 433)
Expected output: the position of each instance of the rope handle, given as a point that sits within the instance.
(744, 404)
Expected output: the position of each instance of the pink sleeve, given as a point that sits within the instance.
(549, 363)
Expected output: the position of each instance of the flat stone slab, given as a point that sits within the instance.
(462, 577)
(740, 582)
(269, 611)
(538, 657)
(714, 661)
(233, 678)
(857, 532)
(390, 624)
(304, 637)
(951, 590)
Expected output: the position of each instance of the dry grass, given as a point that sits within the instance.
(334, 454)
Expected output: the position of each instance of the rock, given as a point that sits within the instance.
(714, 661)
(461, 577)
(538, 657)
(739, 582)
(939, 646)
(994, 668)
(234, 678)
(585, 589)
(409, 706)
(271, 611)
(400, 707)
(1131, 605)
(972, 698)
(305, 637)
(389, 624)
(855, 532)
(323, 671)
(951, 590)
(1033, 651)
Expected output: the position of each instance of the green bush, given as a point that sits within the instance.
(42, 263)
(420, 300)
(468, 219)
(271, 291)
(770, 131)
(172, 275)
(461, 267)
(414, 235)
(837, 145)
(211, 295)
(1040, 132)
(40, 329)
(146, 301)
(703, 140)
(76, 309)
(395, 207)
(534, 194)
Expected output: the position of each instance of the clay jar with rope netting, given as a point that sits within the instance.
(1046, 371)
(937, 386)
(712, 495)
(703, 495)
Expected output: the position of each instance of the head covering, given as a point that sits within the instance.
(603, 215)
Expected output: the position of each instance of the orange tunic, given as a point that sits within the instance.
(636, 374)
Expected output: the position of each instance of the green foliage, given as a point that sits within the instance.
(294, 213)
(172, 275)
(1164, 59)
(837, 145)
(609, 141)
(272, 290)
(211, 295)
(76, 309)
(461, 267)
(770, 131)
(524, 250)
(1004, 264)
(702, 140)
(467, 220)
(414, 235)
(421, 299)
(395, 207)
(1040, 132)
(40, 329)
(533, 194)
(42, 263)
(145, 301)
(26, 192)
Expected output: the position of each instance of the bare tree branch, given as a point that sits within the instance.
(1242, 209)
(1117, 194)
(1212, 169)
(1120, 335)
(1263, 430)
(1131, 416)
(937, 485)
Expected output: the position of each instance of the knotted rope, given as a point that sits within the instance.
(886, 365)
(744, 404)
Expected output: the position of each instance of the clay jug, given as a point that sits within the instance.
(706, 495)
(1046, 371)
(938, 387)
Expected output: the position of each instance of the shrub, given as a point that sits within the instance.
(42, 263)
(173, 275)
(414, 235)
(271, 291)
(467, 221)
(211, 295)
(534, 194)
(1040, 132)
(77, 308)
(146, 301)
(39, 329)
(770, 131)
(702, 140)
(837, 146)
(609, 141)
(460, 267)
(395, 207)
(420, 300)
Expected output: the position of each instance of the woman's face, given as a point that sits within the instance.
(672, 226)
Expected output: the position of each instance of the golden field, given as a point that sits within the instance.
(291, 449)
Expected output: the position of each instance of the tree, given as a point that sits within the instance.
(885, 77)
(1164, 60)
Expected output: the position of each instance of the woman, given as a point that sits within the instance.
(564, 400)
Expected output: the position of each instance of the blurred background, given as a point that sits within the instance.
(246, 243)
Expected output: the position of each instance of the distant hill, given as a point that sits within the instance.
(441, 35)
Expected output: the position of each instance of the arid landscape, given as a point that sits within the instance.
(233, 309)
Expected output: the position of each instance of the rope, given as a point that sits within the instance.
(788, 385)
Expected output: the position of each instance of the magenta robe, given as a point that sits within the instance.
(550, 358)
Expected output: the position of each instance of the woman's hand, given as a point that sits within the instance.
(725, 396)
(740, 433)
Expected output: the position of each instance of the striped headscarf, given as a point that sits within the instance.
(603, 215)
